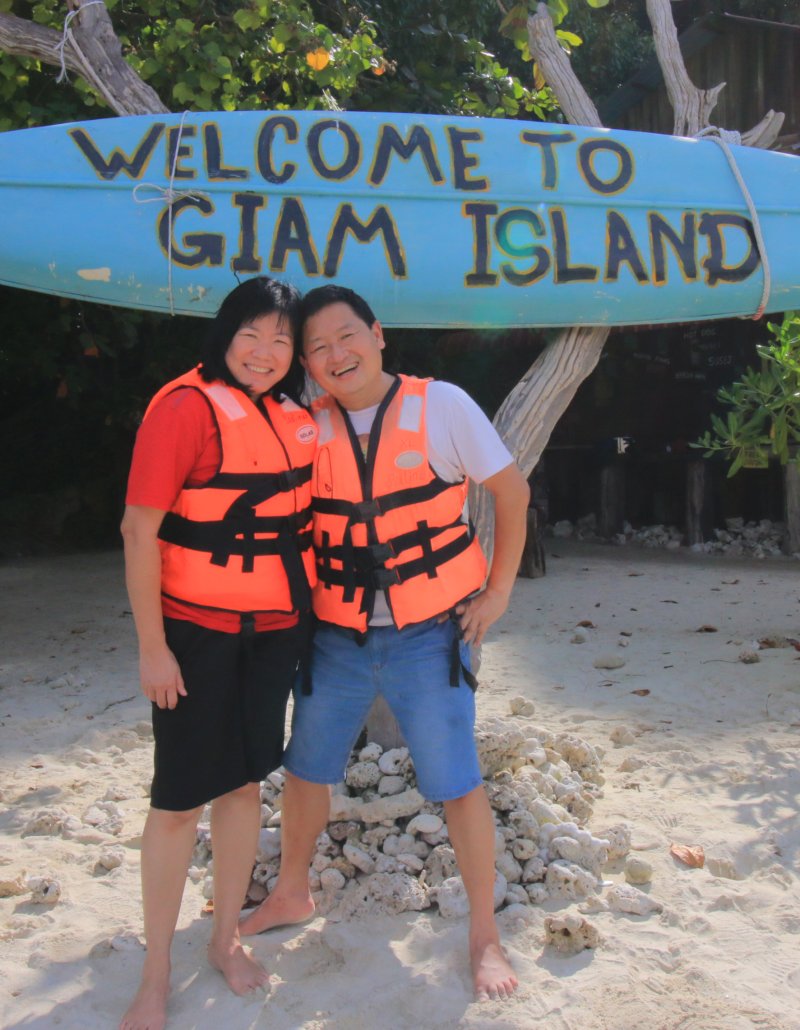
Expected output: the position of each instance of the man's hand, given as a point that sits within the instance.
(161, 677)
(476, 615)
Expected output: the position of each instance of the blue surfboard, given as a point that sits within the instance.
(438, 221)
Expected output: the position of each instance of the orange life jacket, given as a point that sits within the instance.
(387, 521)
(242, 541)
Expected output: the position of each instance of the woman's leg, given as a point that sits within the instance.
(167, 844)
(235, 823)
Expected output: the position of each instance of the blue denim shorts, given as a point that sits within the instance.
(411, 669)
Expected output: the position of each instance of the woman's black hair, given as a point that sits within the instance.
(247, 302)
(323, 296)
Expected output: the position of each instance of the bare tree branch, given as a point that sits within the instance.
(691, 106)
(92, 50)
(572, 98)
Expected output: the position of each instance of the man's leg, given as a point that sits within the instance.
(235, 823)
(471, 828)
(304, 815)
(167, 844)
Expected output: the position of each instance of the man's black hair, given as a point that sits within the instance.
(323, 296)
(250, 300)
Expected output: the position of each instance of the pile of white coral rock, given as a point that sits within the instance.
(386, 849)
(756, 539)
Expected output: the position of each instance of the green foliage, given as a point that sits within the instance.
(204, 55)
(763, 418)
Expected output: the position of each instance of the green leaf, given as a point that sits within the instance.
(597, 3)
(569, 37)
(558, 10)
(247, 19)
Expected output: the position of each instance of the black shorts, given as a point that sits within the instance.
(229, 729)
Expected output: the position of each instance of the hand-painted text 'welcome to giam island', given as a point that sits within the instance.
(519, 244)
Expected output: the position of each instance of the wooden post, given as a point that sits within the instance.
(612, 499)
(699, 513)
(791, 505)
(532, 565)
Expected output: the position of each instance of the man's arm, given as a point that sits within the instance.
(511, 494)
(160, 675)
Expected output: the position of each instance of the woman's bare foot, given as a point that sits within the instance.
(491, 972)
(148, 1010)
(276, 911)
(241, 971)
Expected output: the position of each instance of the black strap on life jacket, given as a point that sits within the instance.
(236, 532)
(457, 667)
(376, 576)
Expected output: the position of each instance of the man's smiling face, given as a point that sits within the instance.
(343, 354)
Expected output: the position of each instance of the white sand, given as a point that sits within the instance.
(718, 742)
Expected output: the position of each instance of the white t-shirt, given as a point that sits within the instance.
(461, 442)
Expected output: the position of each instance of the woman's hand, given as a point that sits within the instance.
(160, 677)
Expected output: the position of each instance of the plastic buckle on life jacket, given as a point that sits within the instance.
(384, 578)
(364, 511)
(380, 553)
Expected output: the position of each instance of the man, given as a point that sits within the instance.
(402, 578)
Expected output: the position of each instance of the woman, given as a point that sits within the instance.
(218, 564)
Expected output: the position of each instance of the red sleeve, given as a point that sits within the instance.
(177, 444)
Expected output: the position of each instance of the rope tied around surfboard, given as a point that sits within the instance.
(168, 195)
(724, 138)
(62, 75)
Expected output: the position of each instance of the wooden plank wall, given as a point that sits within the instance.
(759, 63)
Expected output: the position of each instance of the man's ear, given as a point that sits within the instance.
(377, 332)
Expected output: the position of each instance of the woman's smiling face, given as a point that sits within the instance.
(260, 353)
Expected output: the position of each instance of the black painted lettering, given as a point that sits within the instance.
(293, 234)
(565, 272)
(391, 142)
(624, 174)
(684, 246)
(621, 249)
(380, 223)
(547, 141)
(480, 213)
(247, 260)
(352, 149)
(214, 160)
(711, 225)
(266, 168)
(109, 168)
(462, 161)
(209, 247)
(503, 230)
(177, 150)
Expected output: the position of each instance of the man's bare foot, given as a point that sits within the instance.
(148, 1010)
(241, 971)
(277, 911)
(491, 972)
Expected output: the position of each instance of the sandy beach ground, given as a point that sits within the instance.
(711, 760)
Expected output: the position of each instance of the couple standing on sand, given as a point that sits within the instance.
(231, 483)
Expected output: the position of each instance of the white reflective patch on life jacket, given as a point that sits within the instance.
(226, 401)
(323, 420)
(410, 413)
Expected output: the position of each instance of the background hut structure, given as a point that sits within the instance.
(621, 451)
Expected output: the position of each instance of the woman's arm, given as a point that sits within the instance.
(159, 673)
